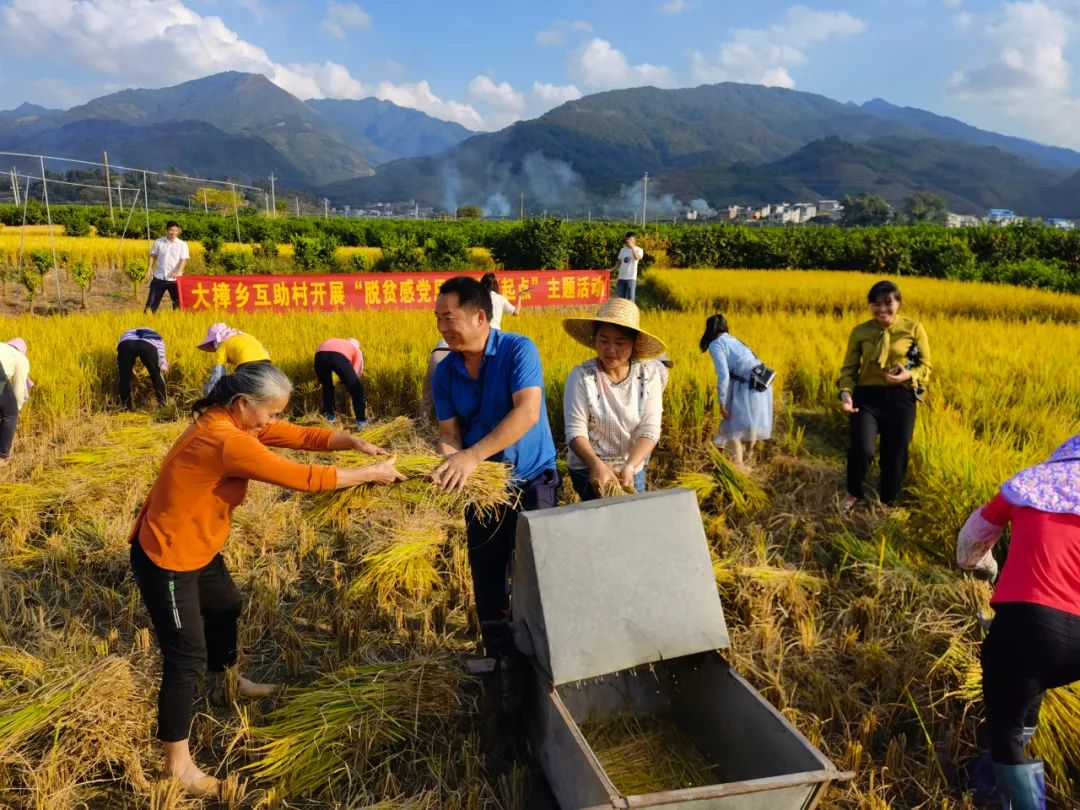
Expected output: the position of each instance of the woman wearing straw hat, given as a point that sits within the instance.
(747, 412)
(613, 402)
(1034, 640)
(231, 347)
(14, 388)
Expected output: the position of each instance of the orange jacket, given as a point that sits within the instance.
(187, 516)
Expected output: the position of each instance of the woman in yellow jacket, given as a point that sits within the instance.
(885, 369)
(231, 347)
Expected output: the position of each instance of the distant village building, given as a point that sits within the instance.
(961, 220)
(829, 207)
(1061, 224)
(1001, 216)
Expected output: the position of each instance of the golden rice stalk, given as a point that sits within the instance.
(353, 718)
(406, 570)
(646, 754)
(388, 434)
(487, 488)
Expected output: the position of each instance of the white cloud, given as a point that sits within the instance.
(340, 17)
(420, 96)
(953, 3)
(767, 55)
(154, 43)
(1031, 39)
(501, 96)
(599, 65)
(552, 95)
(963, 21)
(1027, 78)
(677, 6)
(556, 33)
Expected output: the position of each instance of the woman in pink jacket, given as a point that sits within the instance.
(1034, 640)
(341, 356)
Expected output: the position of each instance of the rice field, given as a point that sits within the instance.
(860, 630)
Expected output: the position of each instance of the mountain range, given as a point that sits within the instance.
(239, 125)
(722, 143)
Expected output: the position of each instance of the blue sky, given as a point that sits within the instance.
(1006, 66)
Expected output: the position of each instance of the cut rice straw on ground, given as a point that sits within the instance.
(646, 754)
(354, 718)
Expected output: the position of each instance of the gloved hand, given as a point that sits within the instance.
(987, 568)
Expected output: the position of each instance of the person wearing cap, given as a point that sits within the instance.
(178, 537)
(231, 347)
(344, 358)
(146, 345)
(746, 414)
(169, 256)
(613, 402)
(1034, 639)
(14, 389)
(489, 400)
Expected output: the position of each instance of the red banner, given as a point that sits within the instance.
(359, 291)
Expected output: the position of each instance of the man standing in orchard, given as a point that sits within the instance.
(489, 400)
(171, 255)
(627, 265)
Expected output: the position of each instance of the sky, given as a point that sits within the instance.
(1004, 66)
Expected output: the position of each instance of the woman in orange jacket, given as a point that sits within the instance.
(176, 543)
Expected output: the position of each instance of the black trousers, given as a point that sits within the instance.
(491, 545)
(158, 288)
(194, 614)
(9, 415)
(327, 364)
(126, 354)
(1029, 649)
(889, 412)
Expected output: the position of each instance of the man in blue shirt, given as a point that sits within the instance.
(489, 400)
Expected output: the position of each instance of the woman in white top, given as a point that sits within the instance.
(500, 304)
(14, 388)
(612, 403)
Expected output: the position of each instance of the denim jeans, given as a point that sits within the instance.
(625, 288)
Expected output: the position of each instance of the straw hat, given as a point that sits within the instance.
(620, 312)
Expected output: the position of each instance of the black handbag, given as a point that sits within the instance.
(761, 377)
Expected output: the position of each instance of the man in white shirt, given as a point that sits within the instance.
(171, 253)
(627, 264)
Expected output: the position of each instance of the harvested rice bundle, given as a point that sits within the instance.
(486, 489)
(389, 434)
(646, 754)
(92, 718)
(405, 568)
(354, 719)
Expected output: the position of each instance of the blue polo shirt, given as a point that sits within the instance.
(511, 363)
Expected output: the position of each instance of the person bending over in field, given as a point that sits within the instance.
(177, 540)
(14, 389)
(746, 409)
(489, 400)
(141, 343)
(1034, 639)
(231, 347)
(500, 304)
(168, 258)
(886, 365)
(613, 402)
(344, 358)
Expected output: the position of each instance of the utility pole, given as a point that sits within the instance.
(297, 199)
(15, 185)
(521, 212)
(644, 199)
(120, 196)
(266, 199)
(273, 198)
(108, 186)
(325, 208)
